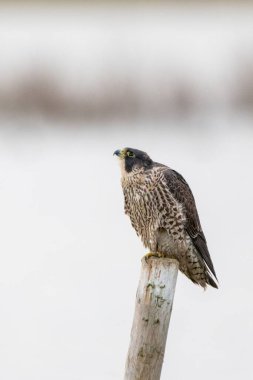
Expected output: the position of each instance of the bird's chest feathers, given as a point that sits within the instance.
(140, 208)
(136, 199)
(136, 195)
(151, 207)
(139, 194)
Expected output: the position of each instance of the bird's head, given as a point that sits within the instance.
(131, 159)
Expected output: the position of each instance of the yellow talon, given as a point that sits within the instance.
(150, 254)
(154, 254)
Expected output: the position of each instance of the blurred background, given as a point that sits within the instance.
(77, 81)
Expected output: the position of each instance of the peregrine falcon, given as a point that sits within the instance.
(162, 211)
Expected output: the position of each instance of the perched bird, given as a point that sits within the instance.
(162, 210)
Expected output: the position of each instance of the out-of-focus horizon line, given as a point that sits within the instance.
(104, 63)
(41, 92)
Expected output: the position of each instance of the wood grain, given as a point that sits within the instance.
(153, 308)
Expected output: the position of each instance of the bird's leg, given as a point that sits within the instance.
(154, 254)
(150, 254)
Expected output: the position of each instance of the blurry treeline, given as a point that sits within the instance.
(98, 62)
(120, 96)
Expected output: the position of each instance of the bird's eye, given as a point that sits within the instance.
(130, 154)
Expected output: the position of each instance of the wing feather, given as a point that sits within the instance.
(182, 193)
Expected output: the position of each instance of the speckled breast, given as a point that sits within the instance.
(153, 209)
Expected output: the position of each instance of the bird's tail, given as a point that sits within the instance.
(198, 273)
(210, 281)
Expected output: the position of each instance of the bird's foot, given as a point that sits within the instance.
(154, 254)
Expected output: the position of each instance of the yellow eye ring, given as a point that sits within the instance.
(130, 154)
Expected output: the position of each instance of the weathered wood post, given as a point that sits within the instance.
(153, 308)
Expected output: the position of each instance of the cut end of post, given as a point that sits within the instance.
(162, 260)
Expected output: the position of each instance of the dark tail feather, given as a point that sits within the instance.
(211, 282)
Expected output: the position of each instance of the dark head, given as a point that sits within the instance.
(133, 159)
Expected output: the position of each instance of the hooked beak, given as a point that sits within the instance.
(121, 153)
(117, 152)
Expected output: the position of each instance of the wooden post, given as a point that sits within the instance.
(153, 308)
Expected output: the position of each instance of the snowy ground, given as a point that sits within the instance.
(65, 243)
